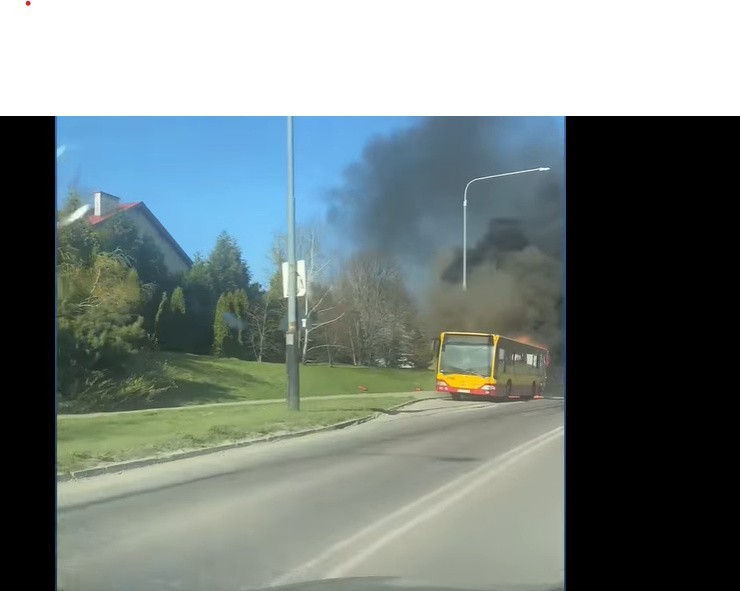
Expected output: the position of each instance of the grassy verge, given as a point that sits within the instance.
(204, 379)
(93, 441)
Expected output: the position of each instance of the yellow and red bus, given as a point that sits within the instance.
(490, 365)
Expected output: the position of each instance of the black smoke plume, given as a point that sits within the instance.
(503, 235)
(405, 198)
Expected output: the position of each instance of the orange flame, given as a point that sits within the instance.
(529, 341)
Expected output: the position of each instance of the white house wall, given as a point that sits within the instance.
(172, 259)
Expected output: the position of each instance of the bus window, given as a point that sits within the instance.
(501, 365)
(467, 354)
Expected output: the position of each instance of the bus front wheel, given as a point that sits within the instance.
(455, 396)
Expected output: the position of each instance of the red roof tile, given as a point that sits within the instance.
(96, 219)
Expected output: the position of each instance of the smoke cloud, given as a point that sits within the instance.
(77, 214)
(405, 198)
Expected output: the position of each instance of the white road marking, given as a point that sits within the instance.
(440, 499)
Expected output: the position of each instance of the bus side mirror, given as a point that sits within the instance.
(435, 346)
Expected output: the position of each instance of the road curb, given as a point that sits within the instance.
(67, 416)
(140, 463)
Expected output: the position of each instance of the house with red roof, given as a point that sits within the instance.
(107, 206)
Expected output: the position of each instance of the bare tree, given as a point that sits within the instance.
(264, 318)
(316, 264)
(266, 312)
(380, 310)
(327, 327)
(314, 308)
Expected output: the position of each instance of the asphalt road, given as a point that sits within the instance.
(462, 494)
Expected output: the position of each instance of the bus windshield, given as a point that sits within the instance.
(466, 354)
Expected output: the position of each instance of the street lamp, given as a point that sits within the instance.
(465, 214)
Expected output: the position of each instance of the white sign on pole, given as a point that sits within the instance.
(301, 282)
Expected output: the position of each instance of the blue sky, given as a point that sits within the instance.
(202, 175)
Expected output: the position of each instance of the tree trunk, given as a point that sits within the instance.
(305, 347)
(305, 343)
(352, 346)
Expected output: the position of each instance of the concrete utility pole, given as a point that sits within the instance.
(291, 342)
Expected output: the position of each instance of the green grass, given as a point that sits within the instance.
(203, 380)
(92, 441)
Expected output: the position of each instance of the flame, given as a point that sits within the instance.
(529, 341)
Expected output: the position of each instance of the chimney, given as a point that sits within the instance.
(105, 203)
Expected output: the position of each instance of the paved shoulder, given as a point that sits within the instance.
(250, 518)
